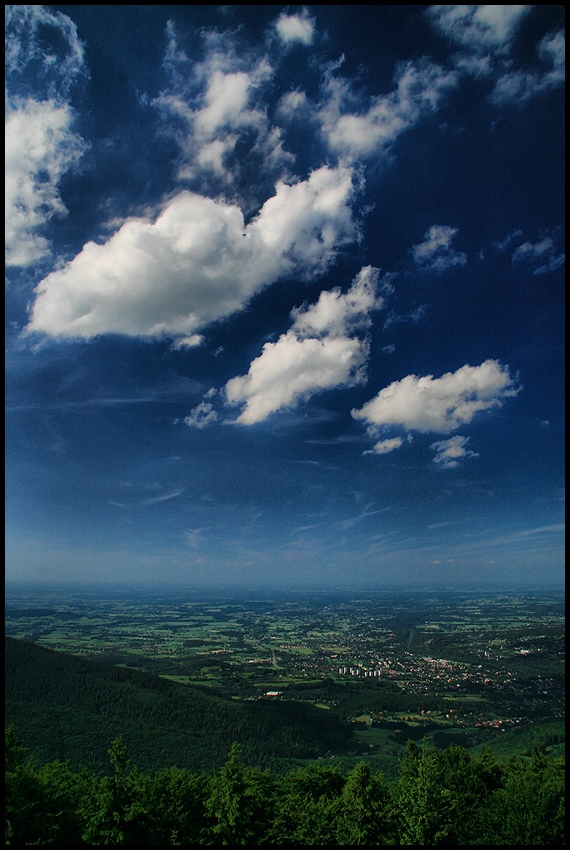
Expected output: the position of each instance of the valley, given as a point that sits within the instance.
(440, 668)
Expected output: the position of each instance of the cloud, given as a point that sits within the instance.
(40, 148)
(201, 416)
(194, 537)
(419, 88)
(383, 447)
(293, 29)
(440, 405)
(45, 42)
(525, 536)
(292, 369)
(196, 263)
(542, 253)
(413, 316)
(449, 453)
(154, 500)
(335, 314)
(519, 86)
(293, 104)
(187, 342)
(482, 29)
(435, 253)
(508, 240)
(314, 355)
(211, 106)
(486, 35)
(344, 525)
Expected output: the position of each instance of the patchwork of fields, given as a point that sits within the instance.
(467, 665)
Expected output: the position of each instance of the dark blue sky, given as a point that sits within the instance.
(284, 299)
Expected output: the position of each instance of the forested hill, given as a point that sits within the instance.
(66, 707)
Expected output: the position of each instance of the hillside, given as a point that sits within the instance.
(66, 707)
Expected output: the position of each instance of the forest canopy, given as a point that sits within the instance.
(440, 797)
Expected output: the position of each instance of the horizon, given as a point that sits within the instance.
(219, 590)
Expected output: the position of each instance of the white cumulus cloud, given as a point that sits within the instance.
(337, 314)
(314, 355)
(292, 369)
(295, 28)
(441, 404)
(196, 263)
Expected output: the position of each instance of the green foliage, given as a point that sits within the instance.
(237, 803)
(437, 793)
(177, 798)
(366, 812)
(529, 806)
(114, 811)
(441, 797)
(307, 805)
(41, 802)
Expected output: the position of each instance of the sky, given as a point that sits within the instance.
(284, 296)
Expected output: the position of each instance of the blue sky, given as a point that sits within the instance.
(284, 295)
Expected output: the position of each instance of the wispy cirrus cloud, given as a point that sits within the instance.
(40, 142)
(486, 37)
(450, 453)
(194, 537)
(542, 255)
(527, 536)
(435, 252)
(163, 497)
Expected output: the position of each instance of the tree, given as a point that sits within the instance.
(307, 806)
(114, 811)
(240, 803)
(437, 793)
(365, 814)
(177, 799)
(25, 796)
(42, 803)
(529, 808)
